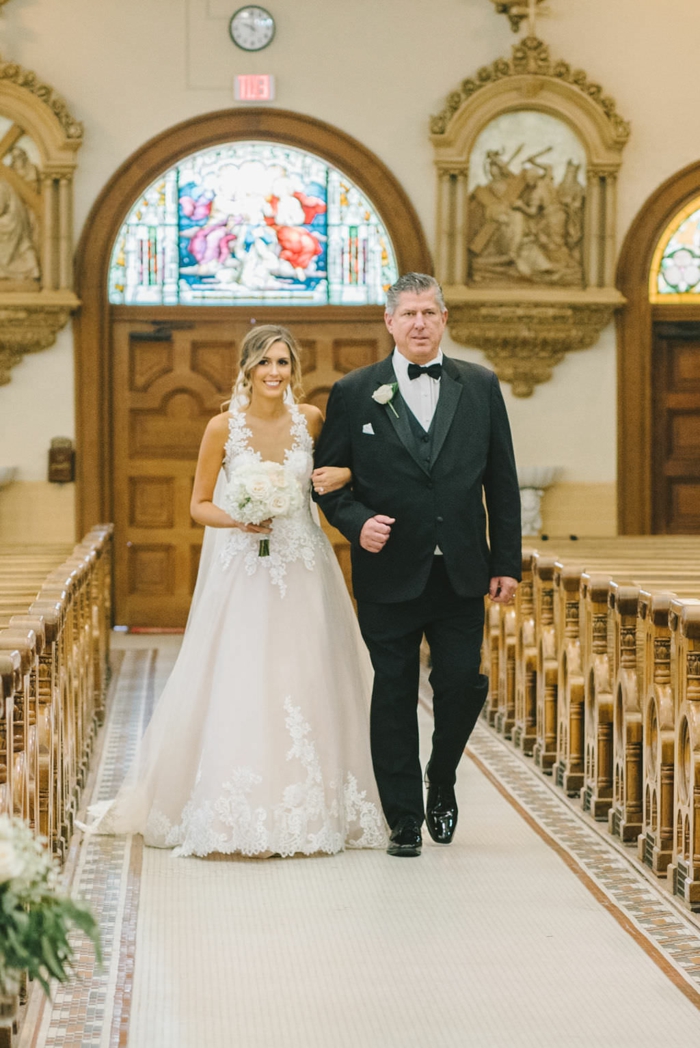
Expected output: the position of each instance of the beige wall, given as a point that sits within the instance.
(377, 69)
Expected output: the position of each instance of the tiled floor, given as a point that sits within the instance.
(532, 929)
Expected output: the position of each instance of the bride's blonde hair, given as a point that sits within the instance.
(255, 347)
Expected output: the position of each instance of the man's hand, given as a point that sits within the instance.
(375, 533)
(502, 589)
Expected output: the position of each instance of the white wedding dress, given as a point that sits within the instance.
(259, 743)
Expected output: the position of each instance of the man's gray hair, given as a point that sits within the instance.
(417, 283)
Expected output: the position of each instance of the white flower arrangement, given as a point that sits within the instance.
(35, 918)
(385, 395)
(258, 491)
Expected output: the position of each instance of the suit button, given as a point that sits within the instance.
(439, 520)
(426, 438)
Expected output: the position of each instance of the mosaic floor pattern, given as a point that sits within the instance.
(355, 950)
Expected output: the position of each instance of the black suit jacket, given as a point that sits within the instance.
(443, 503)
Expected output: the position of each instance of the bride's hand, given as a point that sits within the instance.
(263, 528)
(330, 478)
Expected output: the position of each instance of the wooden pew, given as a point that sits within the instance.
(55, 614)
(524, 733)
(599, 673)
(545, 748)
(605, 636)
(684, 870)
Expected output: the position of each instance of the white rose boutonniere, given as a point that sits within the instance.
(385, 395)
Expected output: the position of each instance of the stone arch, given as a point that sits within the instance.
(635, 344)
(91, 326)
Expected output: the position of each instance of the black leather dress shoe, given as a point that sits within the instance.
(405, 838)
(441, 812)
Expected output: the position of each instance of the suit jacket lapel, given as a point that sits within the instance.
(450, 392)
(385, 376)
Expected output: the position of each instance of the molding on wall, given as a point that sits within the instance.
(530, 57)
(92, 330)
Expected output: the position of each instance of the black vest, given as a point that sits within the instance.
(423, 440)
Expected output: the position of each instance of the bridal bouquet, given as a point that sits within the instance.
(35, 918)
(260, 490)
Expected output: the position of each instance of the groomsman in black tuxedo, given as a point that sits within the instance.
(428, 442)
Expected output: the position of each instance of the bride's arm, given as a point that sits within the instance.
(325, 478)
(211, 455)
(330, 478)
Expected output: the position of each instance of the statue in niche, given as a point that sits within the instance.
(18, 255)
(25, 168)
(524, 228)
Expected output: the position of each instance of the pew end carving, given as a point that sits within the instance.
(524, 727)
(570, 682)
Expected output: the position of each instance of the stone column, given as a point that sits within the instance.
(65, 251)
(48, 274)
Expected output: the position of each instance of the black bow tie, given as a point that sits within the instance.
(415, 370)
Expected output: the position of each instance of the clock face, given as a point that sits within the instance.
(252, 28)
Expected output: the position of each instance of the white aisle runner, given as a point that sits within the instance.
(492, 943)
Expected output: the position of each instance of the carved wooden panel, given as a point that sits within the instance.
(151, 570)
(165, 388)
(676, 392)
(351, 353)
(171, 429)
(308, 354)
(151, 502)
(148, 360)
(216, 361)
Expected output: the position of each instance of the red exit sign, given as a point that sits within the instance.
(254, 87)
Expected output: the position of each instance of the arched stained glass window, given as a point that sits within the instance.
(252, 222)
(675, 270)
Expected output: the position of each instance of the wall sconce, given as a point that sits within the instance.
(61, 461)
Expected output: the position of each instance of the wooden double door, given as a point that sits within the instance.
(676, 427)
(171, 371)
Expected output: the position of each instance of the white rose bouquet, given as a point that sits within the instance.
(260, 490)
(35, 918)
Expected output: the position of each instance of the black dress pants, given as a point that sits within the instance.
(453, 627)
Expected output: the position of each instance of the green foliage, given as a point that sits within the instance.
(35, 918)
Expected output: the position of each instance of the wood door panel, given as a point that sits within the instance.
(152, 570)
(676, 415)
(166, 384)
(173, 429)
(216, 362)
(151, 502)
(148, 361)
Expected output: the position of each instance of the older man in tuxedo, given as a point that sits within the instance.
(428, 442)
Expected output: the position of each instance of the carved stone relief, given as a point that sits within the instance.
(527, 155)
(38, 142)
(527, 183)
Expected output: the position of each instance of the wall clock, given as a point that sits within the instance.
(252, 28)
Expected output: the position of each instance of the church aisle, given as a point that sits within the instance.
(492, 942)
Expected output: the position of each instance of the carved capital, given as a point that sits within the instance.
(30, 326)
(525, 338)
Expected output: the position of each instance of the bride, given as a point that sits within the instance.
(259, 743)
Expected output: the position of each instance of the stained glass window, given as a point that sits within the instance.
(251, 222)
(675, 270)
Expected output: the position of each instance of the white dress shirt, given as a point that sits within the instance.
(421, 394)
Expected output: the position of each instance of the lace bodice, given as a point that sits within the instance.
(294, 537)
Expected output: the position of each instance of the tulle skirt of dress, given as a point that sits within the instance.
(260, 740)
